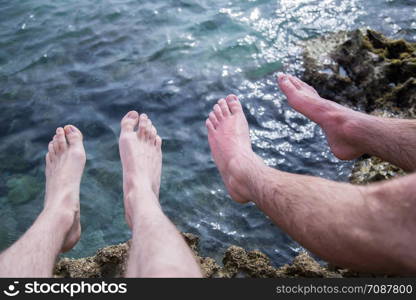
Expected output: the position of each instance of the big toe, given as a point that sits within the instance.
(73, 135)
(304, 98)
(234, 104)
(129, 122)
(287, 86)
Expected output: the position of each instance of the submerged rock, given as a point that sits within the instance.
(22, 188)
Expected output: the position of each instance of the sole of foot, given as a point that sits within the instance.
(229, 140)
(65, 163)
(141, 157)
(339, 123)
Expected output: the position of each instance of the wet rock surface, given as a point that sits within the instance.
(362, 70)
(365, 70)
(108, 262)
(372, 169)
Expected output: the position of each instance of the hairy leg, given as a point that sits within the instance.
(364, 228)
(57, 229)
(157, 249)
(350, 133)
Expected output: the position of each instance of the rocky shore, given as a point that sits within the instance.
(237, 262)
(360, 69)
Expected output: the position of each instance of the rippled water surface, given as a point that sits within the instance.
(89, 62)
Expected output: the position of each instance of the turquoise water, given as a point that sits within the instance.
(89, 62)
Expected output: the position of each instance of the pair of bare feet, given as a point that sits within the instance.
(141, 156)
(229, 139)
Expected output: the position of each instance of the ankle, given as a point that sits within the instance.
(62, 219)
(133, 183)
(136, 189)
(139, 199)
(244, 173)
(356, 131)
(66, 200)
(345, 129)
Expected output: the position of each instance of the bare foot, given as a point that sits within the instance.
(141, 157)
(229, 139)
(340, 124)
(65, 163)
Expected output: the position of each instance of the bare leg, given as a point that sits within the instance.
(57, 229)
(350, 133)
(158, 249)
(365, 228)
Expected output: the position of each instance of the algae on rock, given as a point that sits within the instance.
(368, 72)
(111, 261)
(365, 70)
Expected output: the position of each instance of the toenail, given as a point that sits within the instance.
(143, 116)
(132, 115)
(232, 98)
(283, 77)
(68, 129)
